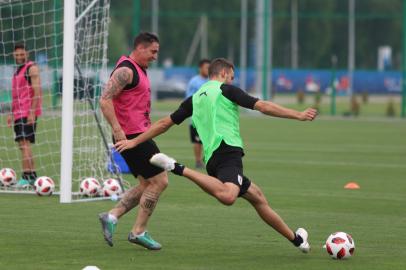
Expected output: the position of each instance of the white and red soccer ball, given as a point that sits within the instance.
(90, 187)
(111, 187)
(44, 186)
(340, 245)
(8, 177)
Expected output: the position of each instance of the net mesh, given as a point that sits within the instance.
(38, 24)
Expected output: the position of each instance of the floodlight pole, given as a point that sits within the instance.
(294, 35)
(351, 46)
(259, 50)
(155, 22)
(333, 87)
(403, 109)
(243, 45)
(136, 9)
(67, 101)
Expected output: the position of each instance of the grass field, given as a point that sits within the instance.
(301, 167)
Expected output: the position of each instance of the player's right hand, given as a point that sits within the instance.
(119, 135)
(9, 120)
(308, 114)
(124, 145)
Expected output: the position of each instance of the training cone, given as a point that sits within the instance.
(352, 185)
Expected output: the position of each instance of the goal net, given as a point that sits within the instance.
(39, 25)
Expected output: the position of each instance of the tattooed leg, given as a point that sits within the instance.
(130, 199)
(148, 201)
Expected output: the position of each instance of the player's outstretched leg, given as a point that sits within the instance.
(226, 193)
(258, 200)
(130, 199)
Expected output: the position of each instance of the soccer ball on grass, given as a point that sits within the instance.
(44, 186)
(111, 187)
(90, 187)
(8, 177)
(340, 245)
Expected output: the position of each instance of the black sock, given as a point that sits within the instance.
(33, 175)
(178, 170)
(26, 175)
(297, 241)
(29, 176)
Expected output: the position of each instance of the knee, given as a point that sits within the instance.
(160, 183)
(143, 185)
(227, 199)
(164, 183)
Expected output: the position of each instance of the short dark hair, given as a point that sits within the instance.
(19, 46)
(203, 61)
(145, 38)
(218, 64)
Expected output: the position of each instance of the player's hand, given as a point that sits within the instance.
(308, 115)
(9, 120)
(30, 119)
(124, 145)
(119, 135)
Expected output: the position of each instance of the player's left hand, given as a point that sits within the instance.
(30, 119)
(124, 145)
(308, 115)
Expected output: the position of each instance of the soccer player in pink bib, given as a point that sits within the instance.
(126, 104)
(26, 108)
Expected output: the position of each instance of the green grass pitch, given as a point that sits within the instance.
(301, 167)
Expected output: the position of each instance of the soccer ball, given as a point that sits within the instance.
(44, 186)
(90, 187)
(340, 245)
(8, 177)
(111, 187)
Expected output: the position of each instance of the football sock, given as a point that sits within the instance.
(140, 234)
(29, 175)
(178, 170)
(297, 241)
(112, 218)
(33, 175)
(26, 175)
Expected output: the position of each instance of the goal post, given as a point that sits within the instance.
(68, 42)
(67, 101)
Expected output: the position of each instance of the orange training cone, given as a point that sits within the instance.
(352, 185)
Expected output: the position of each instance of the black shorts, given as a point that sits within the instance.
(227, 167)
(23, 131)
(137, 158)
(194, 136)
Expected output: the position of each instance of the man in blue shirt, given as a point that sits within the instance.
(194, 84)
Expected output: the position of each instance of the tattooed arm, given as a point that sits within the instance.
(36, 86)
(119, 79)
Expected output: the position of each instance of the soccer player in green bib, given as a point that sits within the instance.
(215, 114)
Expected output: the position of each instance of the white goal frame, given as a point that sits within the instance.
(67, 101)
(65, 194)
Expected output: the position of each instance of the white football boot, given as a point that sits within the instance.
(305, 246)
(163, 161)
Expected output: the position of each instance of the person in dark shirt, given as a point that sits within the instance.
(214, 112)
(193, 86)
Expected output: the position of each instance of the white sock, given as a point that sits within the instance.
(141, 234)
(112, 218)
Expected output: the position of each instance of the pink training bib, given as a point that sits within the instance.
(22, 94)
(133, 106)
